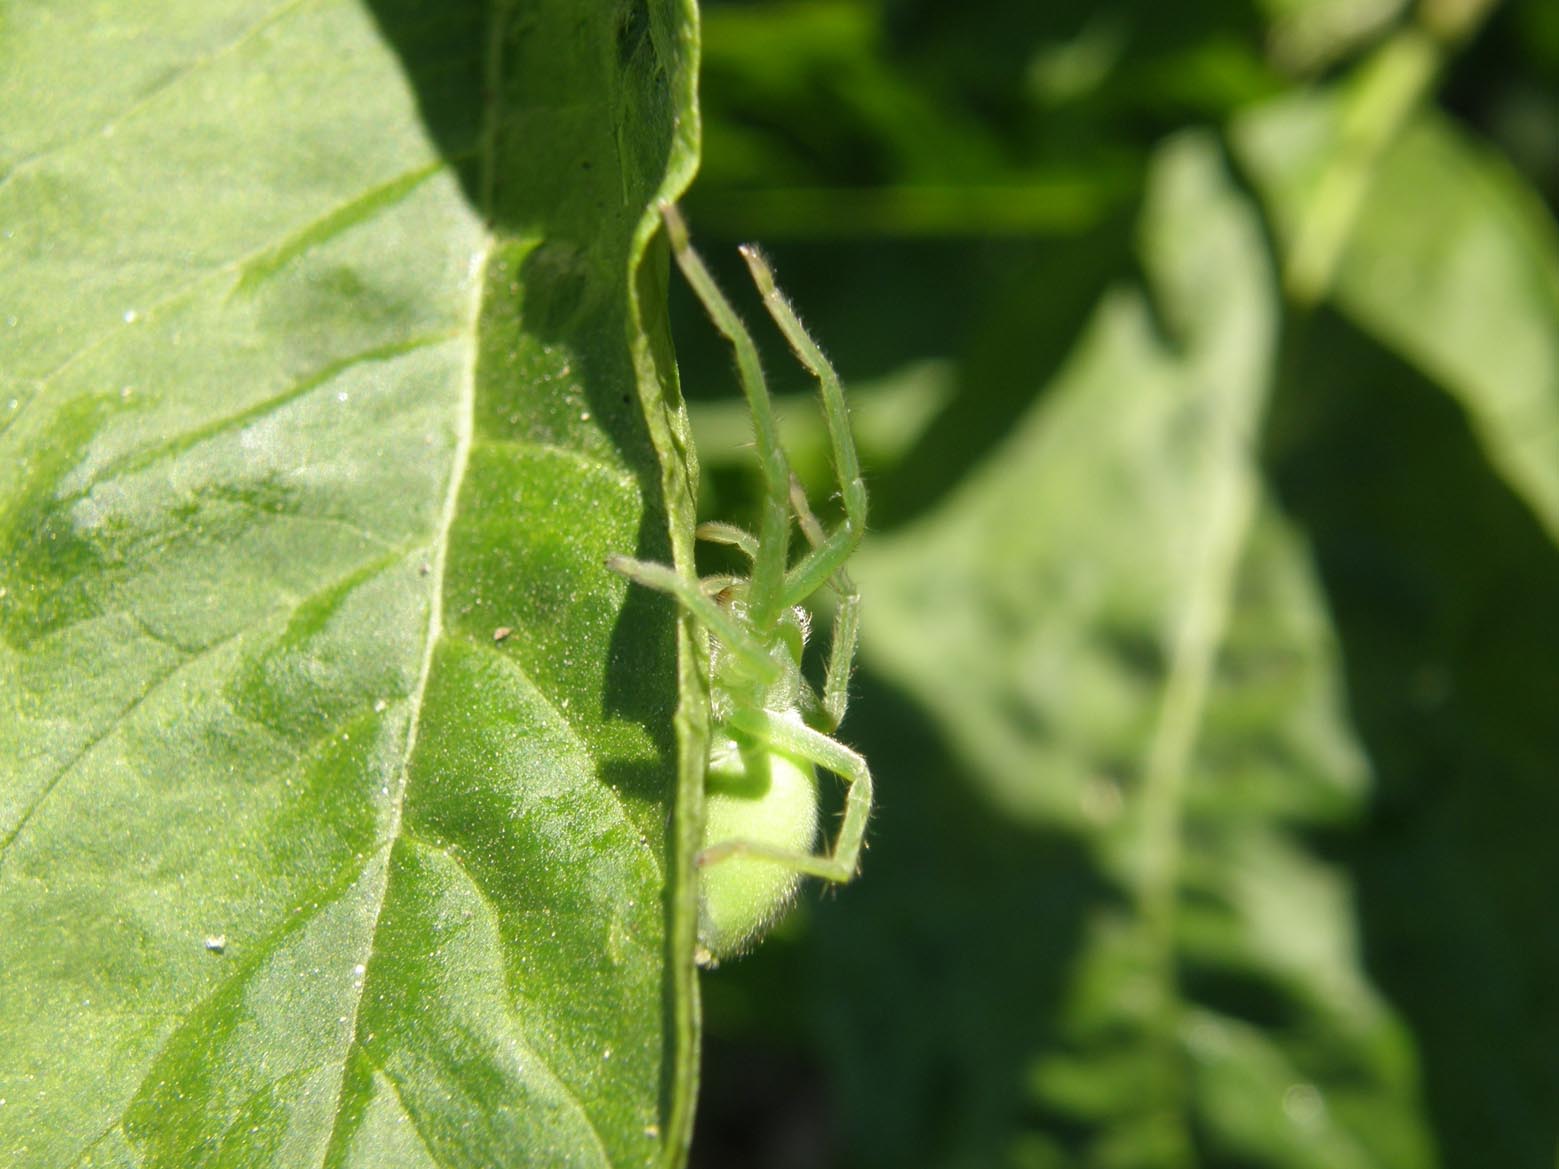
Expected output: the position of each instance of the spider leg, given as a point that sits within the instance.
(765, 596)
(847, 617)
(841, 656)
(717, 533)
(802, 742)
(735, 639)
(828, 556)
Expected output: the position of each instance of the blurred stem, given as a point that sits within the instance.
(1227, 342)
(1388, 89)
(1192, 657)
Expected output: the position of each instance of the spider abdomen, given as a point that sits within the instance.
(757, 797)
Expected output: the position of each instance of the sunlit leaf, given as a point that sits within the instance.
(334, 767)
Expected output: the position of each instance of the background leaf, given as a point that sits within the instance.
(1321, 941)
(336, 765)
(1443, 566)
(1137, 656)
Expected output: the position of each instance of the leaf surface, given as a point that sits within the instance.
(334, 767)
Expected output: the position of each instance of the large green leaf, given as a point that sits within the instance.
(334, 767)
(1123, 644)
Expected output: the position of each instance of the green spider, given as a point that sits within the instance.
(771, 730)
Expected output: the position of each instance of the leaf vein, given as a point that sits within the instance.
(563, 1086)
(342, 217)
(141, 459)
(395, 1088)
(186, 288)
(109, 727)
(190, 656)
(579, 746)
(466, 414)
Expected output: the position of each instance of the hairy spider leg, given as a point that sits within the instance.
(825, 559)
(794, 738)
(766, 595)
(847, 617)
(741, 644)
(841, 657)
(716, 532)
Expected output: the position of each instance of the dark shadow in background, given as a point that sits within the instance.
(939, 97)
(1032, 318)
(1445, 592)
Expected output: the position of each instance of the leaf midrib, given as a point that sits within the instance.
(465, 424)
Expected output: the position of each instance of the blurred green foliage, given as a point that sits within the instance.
(1205, 359)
